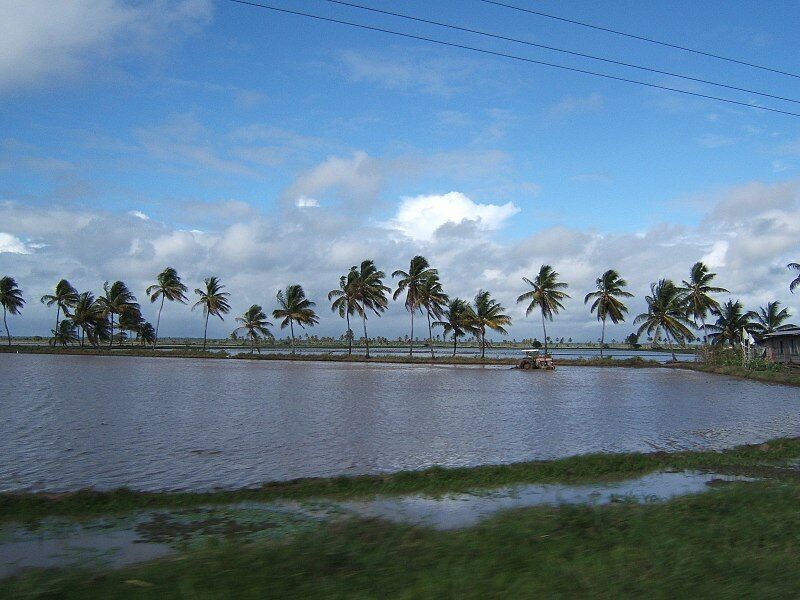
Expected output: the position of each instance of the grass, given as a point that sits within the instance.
(736, 541)
(783, 377)
(435, 480)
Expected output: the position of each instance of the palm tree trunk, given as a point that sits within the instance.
(603, 338)
(8, 334)
(483, 342)
(455, 341)
(58, 314)
(366, 337)
(545, 334)
(253, 344)
(411, 339)
(158, 321)
(83, 331)
(349, 335)
(205, 332)
(430, 334)
(291, 330)
(111, 340)
(705, 336)
(671, 348)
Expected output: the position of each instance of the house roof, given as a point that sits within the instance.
(791, 332)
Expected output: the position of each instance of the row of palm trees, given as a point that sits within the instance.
(674, 311)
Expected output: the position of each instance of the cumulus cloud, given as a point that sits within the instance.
(749, 234)
(40, 40)
(421, 216)
(577, 105)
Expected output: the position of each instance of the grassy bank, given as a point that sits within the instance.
(436, 480)
(783, 377)
(738, 540)
(418, 359)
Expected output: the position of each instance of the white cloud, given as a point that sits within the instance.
(305, 202)
(41, 40)
(716, 256)
(12, 244)
(139, 215)
(419, 217)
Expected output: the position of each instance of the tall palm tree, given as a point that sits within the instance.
(213, 301)
(488, 313)
(168, 287)
(64, 298)
(433, 299)
(796, 281)
(546, 295)
(770, 318)
(731, 321)
(88, 315)
(295, 308)
(65, 335)
(666, 312)
(255, 323)
(697, 294)
(412, 283)
(369, 293)
(607, 301)
(115, 300)
(11, 299)
(344, 304)
(459, 319)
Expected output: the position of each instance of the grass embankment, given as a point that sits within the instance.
(418, 359)
(739, 540)
(435, 480)
(783, 376)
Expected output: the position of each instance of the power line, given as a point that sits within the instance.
(511, 56)
(562, 50)
(639, 37)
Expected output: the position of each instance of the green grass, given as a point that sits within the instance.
(737, 541)
(783, 377)
(436, 480)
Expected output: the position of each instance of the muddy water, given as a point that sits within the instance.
(68, 422)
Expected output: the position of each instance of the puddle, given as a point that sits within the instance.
(120, 541)
(462, 510)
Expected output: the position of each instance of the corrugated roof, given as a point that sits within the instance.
(786, 332)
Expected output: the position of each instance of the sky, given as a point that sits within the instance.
(268, 149)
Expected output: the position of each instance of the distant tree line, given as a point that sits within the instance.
(674, 312)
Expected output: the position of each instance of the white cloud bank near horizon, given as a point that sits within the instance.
(748, 234)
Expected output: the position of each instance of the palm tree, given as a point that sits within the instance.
(344, 304)
(116, 299)
(130, 320)
(666, 312)
(168, 287)
(255, 323)
(11, 299)
(369, 293)
(214, 302)
(459, 319)
(546, 295)
(607, 301)
(146, 333)
(64, 298)
(697, 294)
(488, 313)
(412, 282)
(295, 308)
(87, 314)
(731, 321)
(433, 299)
(796, 281)
(770, 318)
(66, 334)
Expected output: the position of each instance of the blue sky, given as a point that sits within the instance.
(269, 148)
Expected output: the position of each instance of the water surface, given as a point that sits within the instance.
(68, 422)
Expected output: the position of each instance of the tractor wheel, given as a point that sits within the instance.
(526, 365)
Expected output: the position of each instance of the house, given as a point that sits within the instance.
(782, 346)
